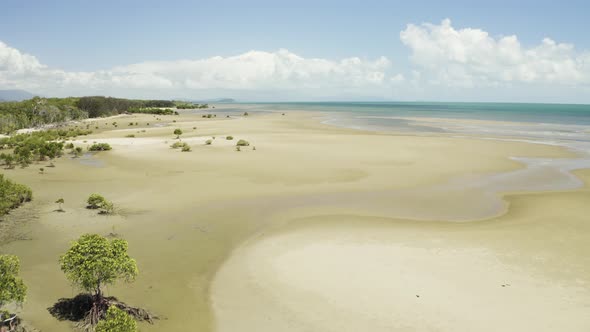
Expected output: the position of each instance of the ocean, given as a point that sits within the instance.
(562, 125)
(552, 123)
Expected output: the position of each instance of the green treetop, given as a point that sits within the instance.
(177, 132)
(94, 261)
(12, 287)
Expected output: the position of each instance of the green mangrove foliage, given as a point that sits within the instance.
(242, 143)
(98, 202)
(93, 262)
(37, 112)
(12, 195)
(98, 106)
(60, 203)
(12, 287)
(177, 132)
(153, 110)
(39, 145)
(100, 147)
(40, 111)
(116, 320)
(184, 147)
(191, 106)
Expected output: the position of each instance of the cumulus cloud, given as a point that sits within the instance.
(471, 57)
(254, 70)
(445, 60)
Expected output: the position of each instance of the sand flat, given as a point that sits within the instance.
(343, 273)
(185, 213)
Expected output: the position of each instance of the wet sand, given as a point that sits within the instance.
(291, 203)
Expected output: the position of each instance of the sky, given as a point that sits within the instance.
(502, 51)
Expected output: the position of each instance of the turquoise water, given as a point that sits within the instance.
(559, 124)
(552, 124)
(537, 113)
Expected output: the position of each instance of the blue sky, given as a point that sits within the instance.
(81, 38)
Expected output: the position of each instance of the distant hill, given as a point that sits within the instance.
(223, 100)
(15, 95)
(203, 101)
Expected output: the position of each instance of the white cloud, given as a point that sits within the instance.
(445, 61)
(254, 70)
(471, 57)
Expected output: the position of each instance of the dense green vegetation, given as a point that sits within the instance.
(12, 290)
(38, 145)
(12, 287)
(12, 195)
(40, 111)
(185, 105)
(98, 106)
(153, 110)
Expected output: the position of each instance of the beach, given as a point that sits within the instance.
(319, 228)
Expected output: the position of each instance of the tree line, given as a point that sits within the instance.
(39, 111)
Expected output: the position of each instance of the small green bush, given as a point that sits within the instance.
(95, 201)
(130, 136)
(177, 145)
(107, 208)
(116, 320)
(177, 132)
(242, 143)
(208, 142)
(100, 147)
(229, 138)
(186, 148)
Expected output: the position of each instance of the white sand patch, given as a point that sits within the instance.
(314, 280)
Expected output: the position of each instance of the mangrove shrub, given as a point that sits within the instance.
(116, 320)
